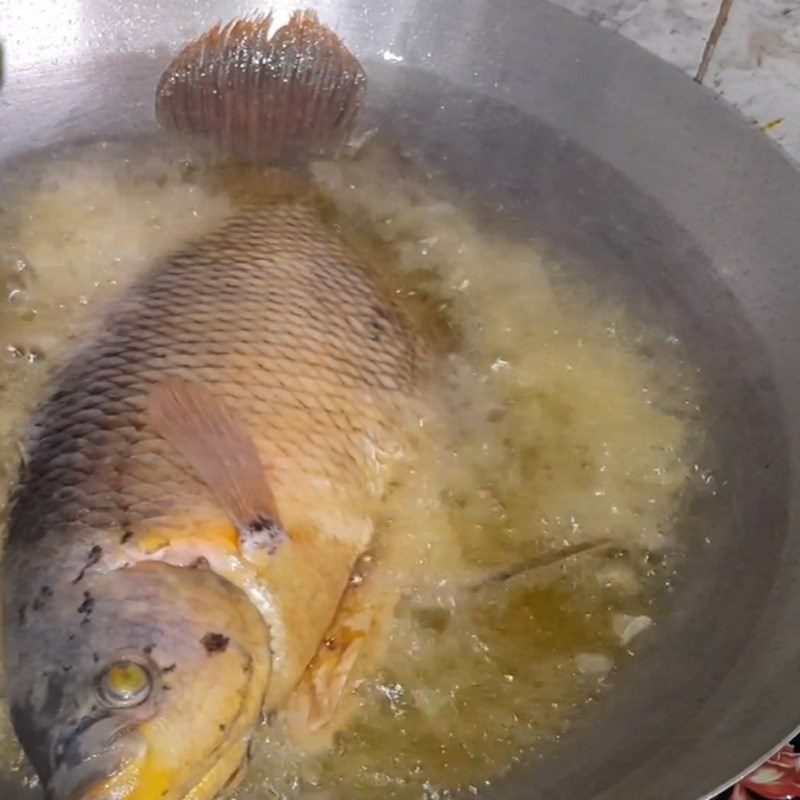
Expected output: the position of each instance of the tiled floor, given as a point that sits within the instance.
(755, 65)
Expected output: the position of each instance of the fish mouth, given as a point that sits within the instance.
(124, 772)
(108, 775)
(140, 779)
(129, 766)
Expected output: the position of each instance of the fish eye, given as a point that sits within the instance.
(124, 684)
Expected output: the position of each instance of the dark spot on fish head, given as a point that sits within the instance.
(148, 649)
(87, 606)
(92, 558)
(40, 601)
(215, 642)
(22, 615)
(53, 697)
(170, 668)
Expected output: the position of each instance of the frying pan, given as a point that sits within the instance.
(662, 196)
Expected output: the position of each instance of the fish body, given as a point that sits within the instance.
(271, 313)
(196, 492)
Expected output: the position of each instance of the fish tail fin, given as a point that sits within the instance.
(246, 92)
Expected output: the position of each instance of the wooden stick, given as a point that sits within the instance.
(713, 38)
(537, 562)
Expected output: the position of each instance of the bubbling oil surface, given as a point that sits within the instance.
(556, 420)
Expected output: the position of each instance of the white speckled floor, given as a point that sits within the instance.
(755, 66)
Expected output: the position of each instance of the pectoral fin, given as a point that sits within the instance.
(214, 440)
(319, 694)
(324, 699)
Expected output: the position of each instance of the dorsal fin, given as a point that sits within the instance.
(218, 446)
(278, 99)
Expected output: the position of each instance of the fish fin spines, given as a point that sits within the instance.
(282, 97)
(215, 442)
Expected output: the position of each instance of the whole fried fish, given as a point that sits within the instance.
(187, 523)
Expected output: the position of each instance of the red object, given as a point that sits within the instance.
(778, 778)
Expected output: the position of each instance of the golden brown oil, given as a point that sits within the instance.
(554, 419)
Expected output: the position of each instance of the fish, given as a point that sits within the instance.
(189, 538)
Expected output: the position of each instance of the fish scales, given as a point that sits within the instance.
(274, 313)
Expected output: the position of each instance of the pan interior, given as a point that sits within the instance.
(535, 182)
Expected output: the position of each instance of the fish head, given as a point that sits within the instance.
(150, 689)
